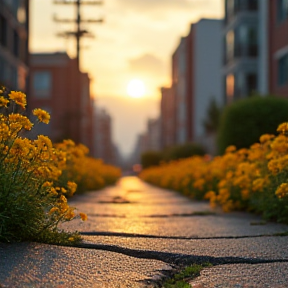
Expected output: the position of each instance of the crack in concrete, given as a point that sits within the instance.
(175, 258)
(135, 235)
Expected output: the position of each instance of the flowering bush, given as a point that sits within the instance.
(89, 173)
(254, 179)
(32, 201)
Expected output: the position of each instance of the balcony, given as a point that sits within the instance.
(233, 8)
(242, 51)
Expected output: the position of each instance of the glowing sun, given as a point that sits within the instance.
(136, 88)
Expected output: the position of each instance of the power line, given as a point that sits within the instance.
(79, 33)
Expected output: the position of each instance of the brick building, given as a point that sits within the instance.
(57, 85)
(278, 47)
(14, 32)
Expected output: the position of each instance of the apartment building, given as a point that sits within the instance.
(14, 32)
(246, 48)
(104, 147)
(278, 47)
(167, 118)
(57, 85)
(197, 78)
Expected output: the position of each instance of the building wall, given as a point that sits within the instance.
(207, 60)
(180, 84)
(246, 54)
(278, 46)
(57, 85)
(153, 128)
(14, 32)
(104, 148)
(167, 117)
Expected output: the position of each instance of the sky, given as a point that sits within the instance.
(135, 41)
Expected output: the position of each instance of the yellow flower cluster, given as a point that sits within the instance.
(89, 173)
(42, 115)
(19, 98)
(36, 176)
(239, 179)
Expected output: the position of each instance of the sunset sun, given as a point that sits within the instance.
(136, 88)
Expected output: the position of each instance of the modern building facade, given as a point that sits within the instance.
(197, 78)
(246, 48)
(57, 85)
(14, 32)
(167, 118)
(278, 47)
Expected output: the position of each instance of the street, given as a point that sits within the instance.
(136, 234)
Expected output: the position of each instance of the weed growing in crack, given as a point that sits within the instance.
(180, 280)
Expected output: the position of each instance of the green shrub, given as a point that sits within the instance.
(151, 158)
(183, 151)
(243, 122)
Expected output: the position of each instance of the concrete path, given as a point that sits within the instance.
(137, 234)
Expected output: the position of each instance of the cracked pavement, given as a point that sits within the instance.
(137, 234)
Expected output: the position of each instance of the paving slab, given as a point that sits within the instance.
(269, 248)
(243, 276)
(39, 265)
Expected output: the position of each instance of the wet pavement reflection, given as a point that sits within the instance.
(132, 206)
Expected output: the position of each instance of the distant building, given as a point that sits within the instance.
(278, 47)
(14, 35)
(153, 134)
(104, 147)
(197, 79)
(181, 82)
(246, 48)
(167, 118)
(57, 85)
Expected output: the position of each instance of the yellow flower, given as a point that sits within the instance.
(83, 216)
(266, 137)
(19, 98)
(18, 121)
(70, 214)
(47, 184)
(72, 186)
(42, 115)
(53, 210)
(230, 149)
(283, 128)
(3, 102)
(282, 190)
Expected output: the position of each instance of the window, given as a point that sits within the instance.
(15, 43)
(283, 70)
(42, 82)
(252, 4)
(282, 10)
(3, 31)
(230, 85)
(230, 45)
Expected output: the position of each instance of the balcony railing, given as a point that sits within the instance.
(242, 51)
(241, 6)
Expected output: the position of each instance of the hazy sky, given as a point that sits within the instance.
(136, 40)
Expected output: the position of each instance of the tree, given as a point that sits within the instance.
(211, 122)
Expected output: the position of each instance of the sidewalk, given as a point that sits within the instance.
(137, 234)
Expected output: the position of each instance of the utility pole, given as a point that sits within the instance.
(79, 33)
